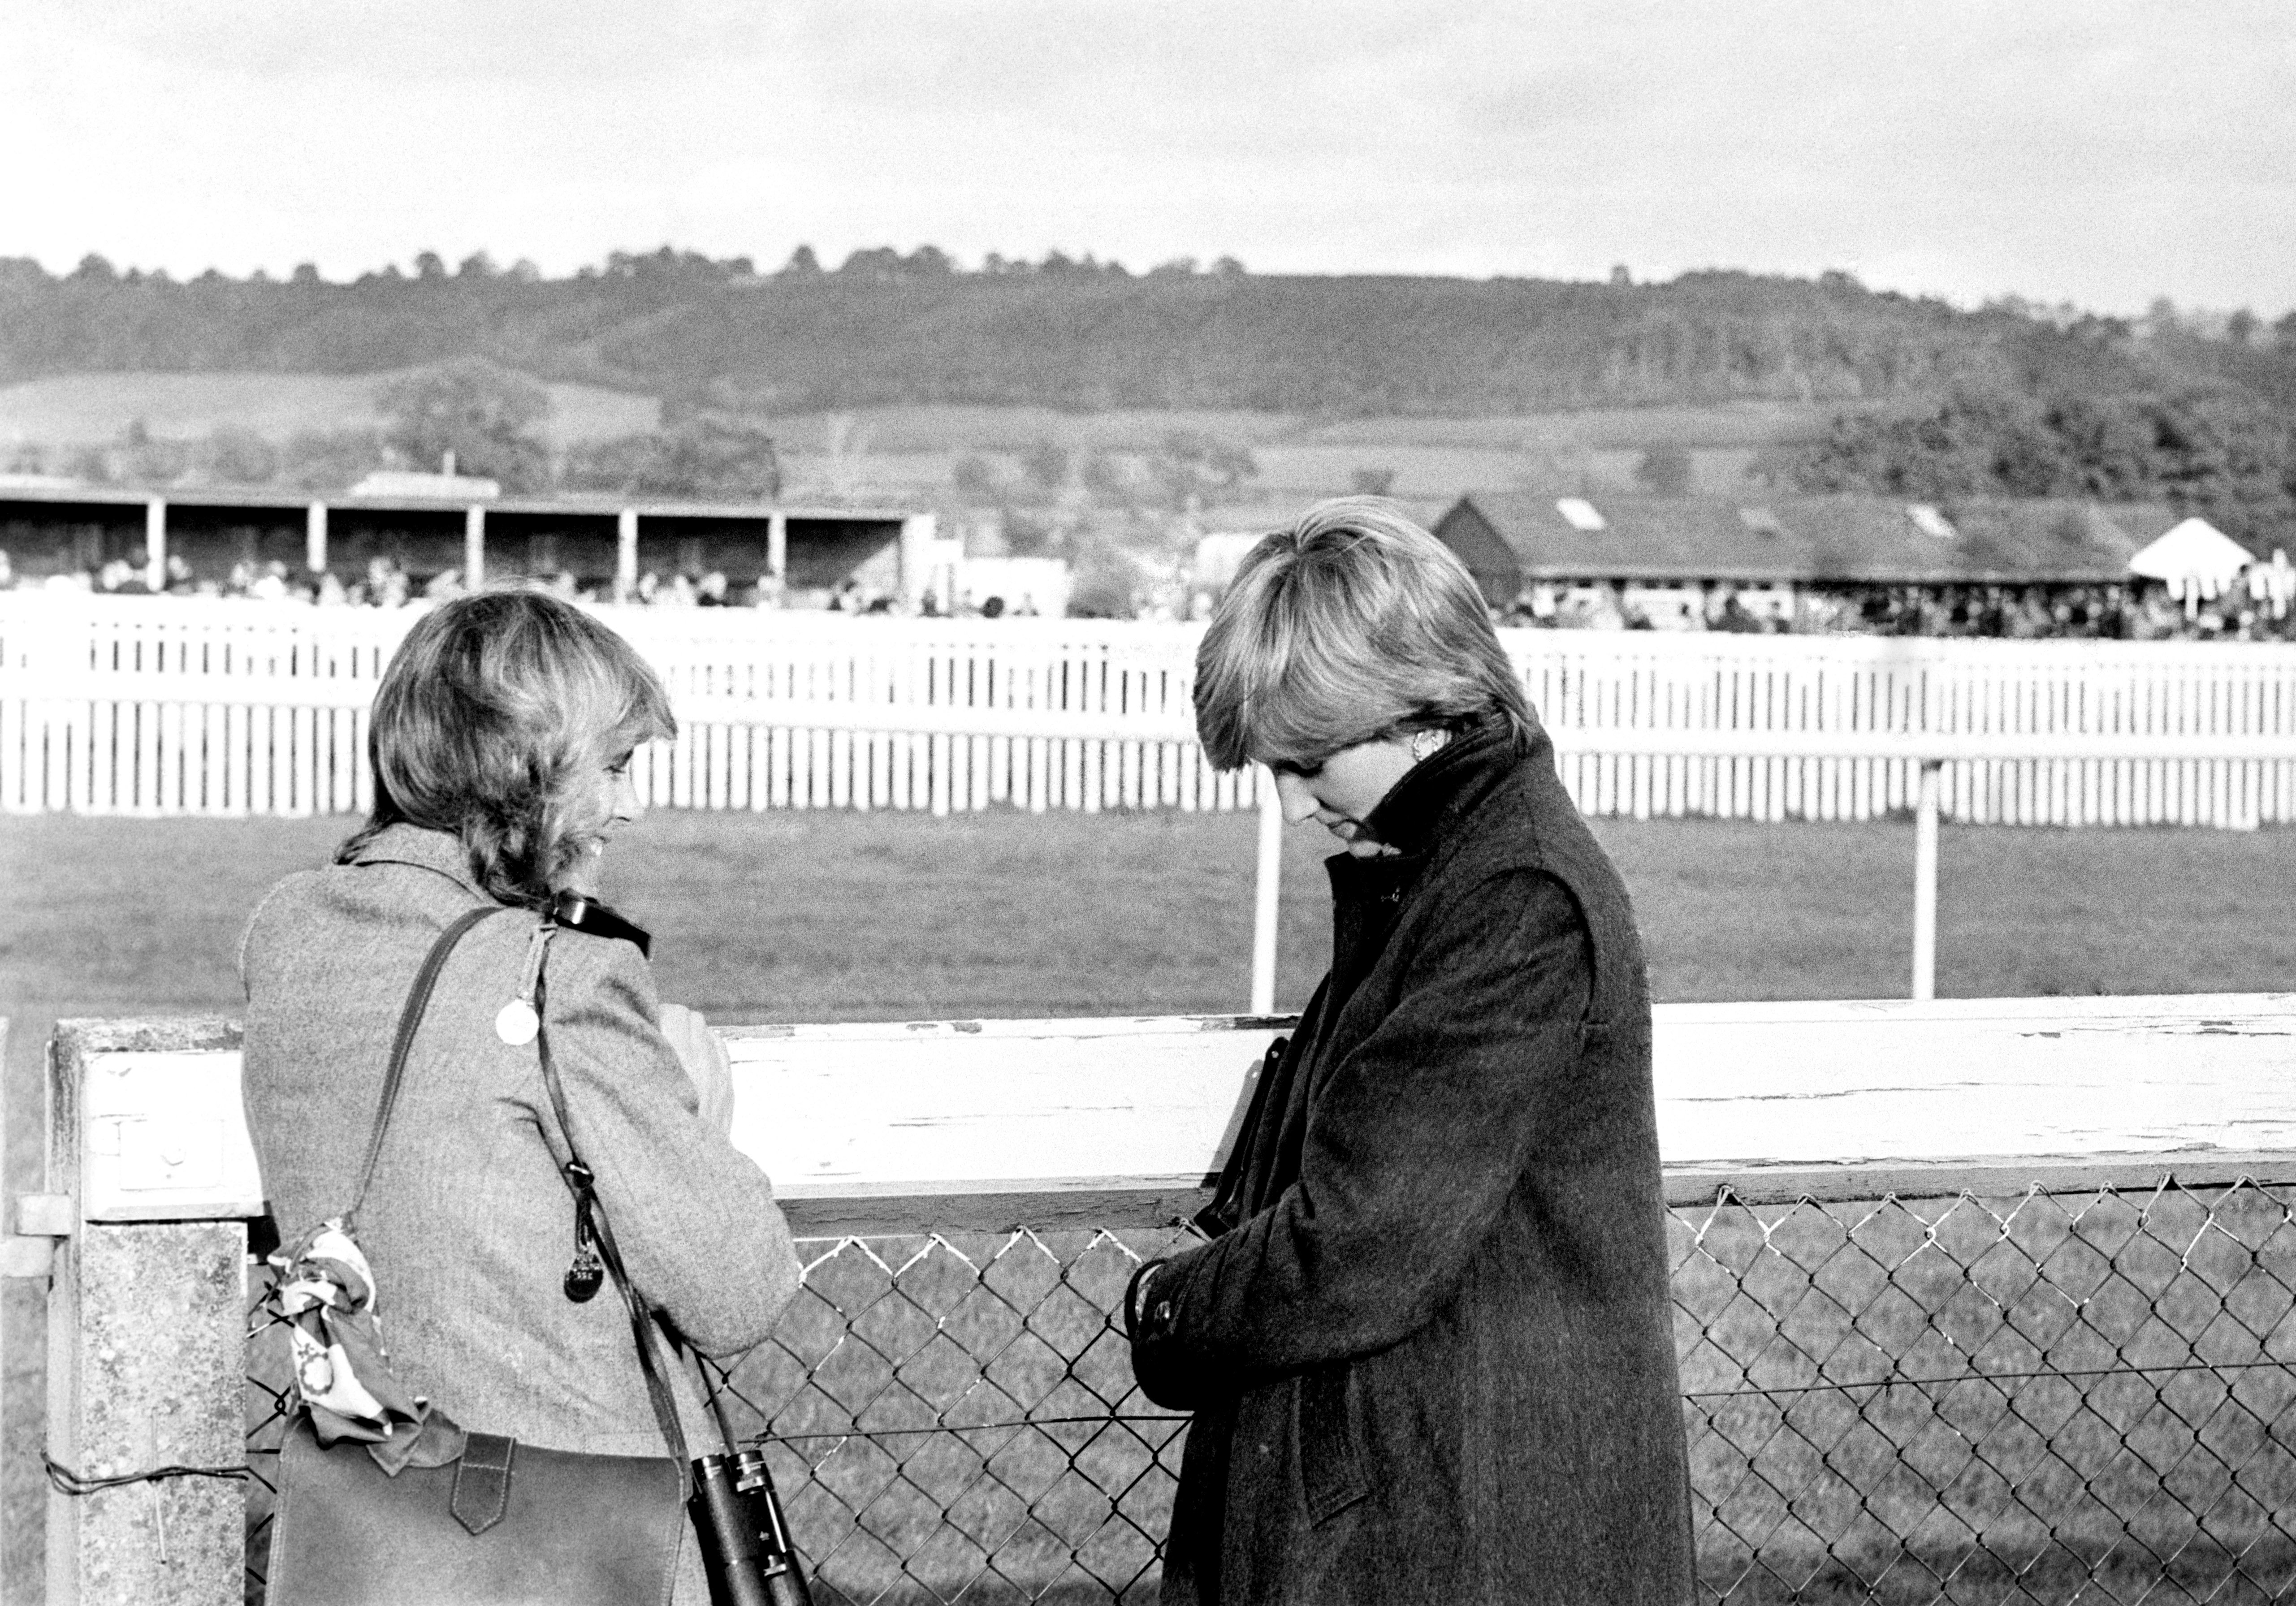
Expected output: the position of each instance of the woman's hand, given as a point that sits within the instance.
(705, 1062)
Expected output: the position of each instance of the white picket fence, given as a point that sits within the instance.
(159, 706)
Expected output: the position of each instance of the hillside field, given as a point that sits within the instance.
(91, 409)
(910, 453)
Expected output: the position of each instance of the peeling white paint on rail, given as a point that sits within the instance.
(1034, 1105)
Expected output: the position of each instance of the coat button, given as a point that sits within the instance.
(1164, 1312)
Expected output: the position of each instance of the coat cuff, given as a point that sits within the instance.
(1130, 1308)
(1155, 1305)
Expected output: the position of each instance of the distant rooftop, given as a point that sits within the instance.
(1511, 539)
(1581, 514)
(394, 483)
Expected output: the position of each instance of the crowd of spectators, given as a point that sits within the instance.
(2136, 610)
(386, 583)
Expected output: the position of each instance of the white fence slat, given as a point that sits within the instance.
(272, 720)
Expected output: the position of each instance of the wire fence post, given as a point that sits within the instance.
(1267, 894)
(147, 1331)
(1925, 856)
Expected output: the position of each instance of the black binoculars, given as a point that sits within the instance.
(745, 1542)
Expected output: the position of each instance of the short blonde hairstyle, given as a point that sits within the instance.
(490, 712)
(1352, 625)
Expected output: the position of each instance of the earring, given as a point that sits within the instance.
(1423, 742)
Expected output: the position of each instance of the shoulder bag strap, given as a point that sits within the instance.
(644, 1325)
(410, 1019)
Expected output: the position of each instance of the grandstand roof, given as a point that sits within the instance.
(19, 490)
(1510, 540)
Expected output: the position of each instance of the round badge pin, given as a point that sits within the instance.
(517, 1023)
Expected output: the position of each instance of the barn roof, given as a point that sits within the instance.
(1791, 538)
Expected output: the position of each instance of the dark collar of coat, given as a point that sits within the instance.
(438, 850)
(1446, 787)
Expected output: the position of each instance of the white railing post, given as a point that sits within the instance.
(626, 554)
(474, 546)
(1267, 898)
(1925, 856)
(155, 543)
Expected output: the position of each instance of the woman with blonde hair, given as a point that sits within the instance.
(1430, 1348)
(502, 741)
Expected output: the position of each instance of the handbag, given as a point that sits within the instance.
(502, 1524)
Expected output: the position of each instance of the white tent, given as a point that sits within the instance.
(2195, 557)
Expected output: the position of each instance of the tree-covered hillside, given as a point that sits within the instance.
(1932, 400)
(889, 329)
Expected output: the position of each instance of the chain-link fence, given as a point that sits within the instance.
(2046, 1398)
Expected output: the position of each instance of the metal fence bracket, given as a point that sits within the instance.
(40, 1219)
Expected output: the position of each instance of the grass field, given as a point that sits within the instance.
(852, 916)
(75, 409)
(904, 453)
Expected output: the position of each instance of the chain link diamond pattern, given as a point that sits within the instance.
(2043, 1398)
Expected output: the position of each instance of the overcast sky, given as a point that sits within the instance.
(2103, 152)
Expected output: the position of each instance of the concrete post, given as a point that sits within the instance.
(120, 1401)
(777, 546)
(474, 547)
(147, 1338)
(155, 543)
(24, 1262)
(626, 555)
(315, 539)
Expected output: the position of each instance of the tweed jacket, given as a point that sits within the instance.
(469, 1226)
(1435, 1363)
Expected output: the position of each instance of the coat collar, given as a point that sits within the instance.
(437, 851)
(1418, 818)
(1444, 788)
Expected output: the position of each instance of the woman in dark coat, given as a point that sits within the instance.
(1434, 1360)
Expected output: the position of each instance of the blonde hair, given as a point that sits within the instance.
(490, 711)
(1352, 625)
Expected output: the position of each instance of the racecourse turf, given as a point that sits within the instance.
(828, 916)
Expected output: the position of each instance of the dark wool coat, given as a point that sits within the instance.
(1436, 1361)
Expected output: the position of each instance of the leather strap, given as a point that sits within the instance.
(481, 1494)
(410, 1019)
(645, 1325)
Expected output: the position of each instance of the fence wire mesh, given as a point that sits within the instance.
(2043, 1397)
